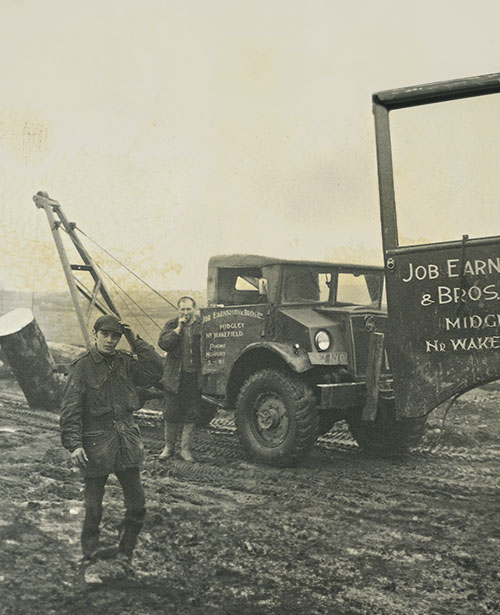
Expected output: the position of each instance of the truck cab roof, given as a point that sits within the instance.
(255, 260)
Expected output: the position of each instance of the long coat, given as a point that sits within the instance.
(98, 404)
(171, 343)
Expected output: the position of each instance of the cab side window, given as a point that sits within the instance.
(237, 286)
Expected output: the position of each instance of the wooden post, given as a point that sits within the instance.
(24, 346)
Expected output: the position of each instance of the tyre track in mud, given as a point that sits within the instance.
(313, 480)
(13, 407)
(222, 463)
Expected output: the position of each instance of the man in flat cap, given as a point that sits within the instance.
(181, 380)
(99, 430)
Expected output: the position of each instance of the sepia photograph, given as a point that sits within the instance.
(249, 307)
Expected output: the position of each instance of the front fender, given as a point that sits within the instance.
(296, 358)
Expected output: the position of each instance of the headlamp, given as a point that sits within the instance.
(322, 340)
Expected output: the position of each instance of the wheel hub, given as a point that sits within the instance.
(268, 417)
(271, 418)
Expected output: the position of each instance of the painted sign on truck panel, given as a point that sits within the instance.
(444, 309)
(225, 332)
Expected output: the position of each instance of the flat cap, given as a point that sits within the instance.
(108, 323)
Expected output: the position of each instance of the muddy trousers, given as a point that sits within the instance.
(135, 511)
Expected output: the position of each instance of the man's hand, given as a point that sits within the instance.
(182, 321)
(128, 333)
(79, 457)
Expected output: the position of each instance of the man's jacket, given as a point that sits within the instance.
(171, 343)
(98, 402)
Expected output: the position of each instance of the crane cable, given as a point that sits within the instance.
(120, 288)
(125, 267)
(133, 301)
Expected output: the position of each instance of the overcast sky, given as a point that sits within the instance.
(174, 130)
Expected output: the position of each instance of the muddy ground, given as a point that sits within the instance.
(342, 534)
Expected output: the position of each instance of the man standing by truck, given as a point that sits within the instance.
(99, 430)
(181, 380)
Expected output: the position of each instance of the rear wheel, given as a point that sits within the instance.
(276, 417)
(386, 436)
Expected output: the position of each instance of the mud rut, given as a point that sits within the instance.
(371, 516)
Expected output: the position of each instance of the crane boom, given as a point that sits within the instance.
(98, 296)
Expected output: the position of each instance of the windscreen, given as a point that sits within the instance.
(309, 284)
(359, 289)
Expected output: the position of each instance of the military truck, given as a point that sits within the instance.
(287, 344)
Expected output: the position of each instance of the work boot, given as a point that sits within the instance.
(130, 530)
(170, 437)
(187, 436)
(90, 544)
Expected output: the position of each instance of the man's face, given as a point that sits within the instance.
(186, 309)
(106, 341)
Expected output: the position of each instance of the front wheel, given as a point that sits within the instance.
(276, 417)
(386, 436)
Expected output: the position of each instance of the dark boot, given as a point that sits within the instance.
(128, 540)
(90, 543)
(170, 437)
(187, 437)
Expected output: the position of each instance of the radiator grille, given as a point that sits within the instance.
(361, 326)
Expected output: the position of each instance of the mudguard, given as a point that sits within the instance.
(296, 358)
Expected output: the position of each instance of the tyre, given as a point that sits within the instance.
(276, 418)
(386, 436)
(207, 413)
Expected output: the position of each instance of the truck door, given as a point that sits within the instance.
(443, 298)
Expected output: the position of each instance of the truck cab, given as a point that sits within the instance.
(286, 343)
